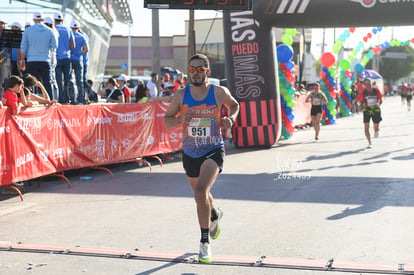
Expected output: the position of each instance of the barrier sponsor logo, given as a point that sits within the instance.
(83, 149)
(5, 130)
(45, 155)
(129, 117)
(146, 117)
(114, 144)
(126, 143)
(99, 120)
(59, 153)
(4, 168)
(100, 147)
(150, 140)
(63, 123)
(174, 137)
(29, 126)
(24, 159)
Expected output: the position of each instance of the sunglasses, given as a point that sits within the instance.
(199, 69)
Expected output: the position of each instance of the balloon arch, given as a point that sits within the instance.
(251, 62)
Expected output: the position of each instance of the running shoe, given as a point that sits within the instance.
(204, 256)
(214, 226)
(369, 145)
(376, 134)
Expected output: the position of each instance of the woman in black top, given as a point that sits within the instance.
(112, 93)
(317, 98)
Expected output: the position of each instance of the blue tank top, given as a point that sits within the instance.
(203, 133)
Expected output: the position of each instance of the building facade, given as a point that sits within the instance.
(209, 40)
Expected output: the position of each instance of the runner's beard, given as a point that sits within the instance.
(199, 83)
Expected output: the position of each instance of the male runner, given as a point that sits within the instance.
(371, 99)
(197, 107)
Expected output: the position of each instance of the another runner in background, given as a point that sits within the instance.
(371, 100)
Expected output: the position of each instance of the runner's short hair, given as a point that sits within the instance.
(201, 57)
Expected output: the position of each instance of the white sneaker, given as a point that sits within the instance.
(369, 145)
(214, 226)
(376, 134)
(204, 256)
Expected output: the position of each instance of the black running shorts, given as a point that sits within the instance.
(192, 165)
(316, 109)
(376, 116)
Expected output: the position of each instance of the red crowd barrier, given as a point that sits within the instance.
(45, 140)
(301, 111)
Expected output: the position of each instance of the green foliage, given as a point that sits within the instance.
(393, 69)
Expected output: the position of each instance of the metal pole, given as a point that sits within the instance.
(191, 37)
(155, 42)
(129, 49)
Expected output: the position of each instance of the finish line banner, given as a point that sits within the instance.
(45, 140)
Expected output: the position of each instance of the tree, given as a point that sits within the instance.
(393, 69)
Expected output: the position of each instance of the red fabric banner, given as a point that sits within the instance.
(45, 140)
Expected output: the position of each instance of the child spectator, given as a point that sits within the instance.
(10, 99)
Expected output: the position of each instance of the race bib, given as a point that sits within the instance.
(199, 127)
(372, 100)
(316, 101)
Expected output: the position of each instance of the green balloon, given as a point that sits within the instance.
(290, 31)
(344, 64)
(287, 39)
(336, 48)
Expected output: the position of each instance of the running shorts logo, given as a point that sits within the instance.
(366, 3)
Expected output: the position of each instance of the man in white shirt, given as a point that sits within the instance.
(152, 89)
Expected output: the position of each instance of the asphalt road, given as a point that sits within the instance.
(301, 199)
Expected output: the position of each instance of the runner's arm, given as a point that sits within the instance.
(171, 119)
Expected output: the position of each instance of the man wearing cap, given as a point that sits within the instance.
(15, 52)
(122, 81)
(85, 57)
(4, 70)
(168, 89)
(64, 68)
(76, 60)
(37, 42)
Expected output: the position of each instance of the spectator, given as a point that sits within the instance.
(30, 82)
(10, 99)
(49, 23)
(37, 41)
(152, 89)
(122, 81)
(178, 83)
(168, 89)
(81, 47)
(112, 94)
(91, 95)
(15, 52)
(64, 67)
(85, 58)
(141, 93)
(27, 25)
(4, 70)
